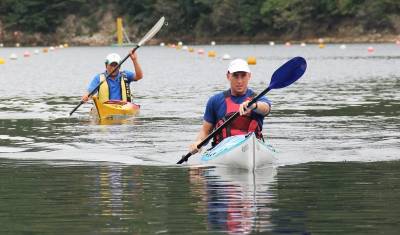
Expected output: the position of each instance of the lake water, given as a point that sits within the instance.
(336, 131)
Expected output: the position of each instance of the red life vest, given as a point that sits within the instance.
(242, 125)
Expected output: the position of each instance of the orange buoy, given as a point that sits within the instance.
(212, 53)
(321, 45)
(45, 50)
(251, 60)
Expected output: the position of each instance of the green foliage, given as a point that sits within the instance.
(250, 18)
(36, 15)
(201, 18)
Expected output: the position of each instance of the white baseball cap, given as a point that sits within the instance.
(113, 58)
(238, 65)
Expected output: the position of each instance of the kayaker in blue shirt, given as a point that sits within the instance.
(224, 104)
(116, 86)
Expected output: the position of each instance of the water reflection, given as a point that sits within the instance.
(234, 201)
(220, 199)
(114, 121)
(337, 198)
(110, 202)
(340, 198)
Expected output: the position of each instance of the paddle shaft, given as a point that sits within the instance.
(97, 87)
(227, 122)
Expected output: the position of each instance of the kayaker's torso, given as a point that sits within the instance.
(116, 88)
(222, 105)
(216, 107)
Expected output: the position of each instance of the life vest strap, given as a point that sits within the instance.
(127, 87)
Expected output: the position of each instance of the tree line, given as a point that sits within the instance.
(211, 18)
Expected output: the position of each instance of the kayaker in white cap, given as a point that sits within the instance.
(117, 85)
(224, 104)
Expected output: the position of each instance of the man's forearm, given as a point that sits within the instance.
(262, 108)
(138, 70)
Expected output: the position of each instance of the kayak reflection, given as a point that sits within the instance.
(235, 201)
(113, 121)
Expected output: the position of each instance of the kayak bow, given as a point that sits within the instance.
(240, 151)
(113, 109)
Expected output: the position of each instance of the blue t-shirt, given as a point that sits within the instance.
(113, 84)
(216, 107)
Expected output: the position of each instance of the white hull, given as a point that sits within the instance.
(237, 152)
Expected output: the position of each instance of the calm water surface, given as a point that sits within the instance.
(336, 130)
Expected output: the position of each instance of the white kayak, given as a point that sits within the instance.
(240, 151)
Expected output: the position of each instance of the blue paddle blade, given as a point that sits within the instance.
(288, 73)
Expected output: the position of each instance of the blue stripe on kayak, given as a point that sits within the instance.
(227, 145)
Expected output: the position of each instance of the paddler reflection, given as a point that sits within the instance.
(110, 190)
(234, 201)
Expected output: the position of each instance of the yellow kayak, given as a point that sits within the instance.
(114, 109)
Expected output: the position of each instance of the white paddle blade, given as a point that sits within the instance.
(152, 31)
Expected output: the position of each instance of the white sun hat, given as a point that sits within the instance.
(113, 58)
(238, 65)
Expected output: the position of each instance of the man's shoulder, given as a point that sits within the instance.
(217, 96)
(250, 92)
(128, 74)
(97, 76)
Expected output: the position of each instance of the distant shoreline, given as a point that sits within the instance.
(102, 40)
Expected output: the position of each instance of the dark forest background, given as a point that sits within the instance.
(198, 20)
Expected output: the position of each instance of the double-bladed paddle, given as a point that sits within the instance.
(285, 75)
(146, 37)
